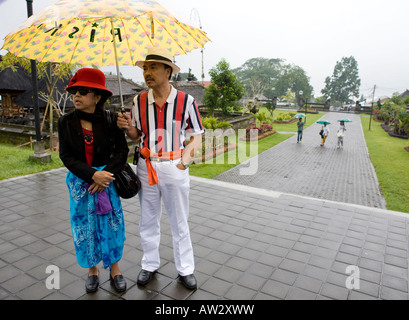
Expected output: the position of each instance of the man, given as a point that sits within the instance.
(300, 125)
(160, 118)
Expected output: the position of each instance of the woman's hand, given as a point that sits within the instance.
(101, 179)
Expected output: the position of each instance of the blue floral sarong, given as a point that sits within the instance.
(96, 236)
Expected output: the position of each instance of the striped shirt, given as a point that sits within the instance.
(164, 128)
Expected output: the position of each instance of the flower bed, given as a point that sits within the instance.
(308, 111)
(258, 137)
(263, 131)
(388, 130)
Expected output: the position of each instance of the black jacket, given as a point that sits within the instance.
(72, 147)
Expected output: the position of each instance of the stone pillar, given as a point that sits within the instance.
(39, 153)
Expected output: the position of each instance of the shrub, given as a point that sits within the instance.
(262, 117)
(393, 113)
(213, 123)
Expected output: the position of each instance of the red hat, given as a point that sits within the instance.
(90, 78)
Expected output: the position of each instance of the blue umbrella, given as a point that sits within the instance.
(344, 120)
(299, 116)
(323, 121)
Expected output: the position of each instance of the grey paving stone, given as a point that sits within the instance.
(249, 242)
(334, 291)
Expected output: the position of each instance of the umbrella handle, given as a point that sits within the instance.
(117, 66)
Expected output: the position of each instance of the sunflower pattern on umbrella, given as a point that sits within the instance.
(80, 31)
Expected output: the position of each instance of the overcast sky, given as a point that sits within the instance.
(312, 34)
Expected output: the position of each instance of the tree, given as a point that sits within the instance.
(224, 91)
(273, 78)
(294, 79)
(290, 97)
(259, 76)
(344, 82)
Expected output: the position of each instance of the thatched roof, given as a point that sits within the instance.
(405, 94)
(131, 89)
(11, 81)
(194, 88)
(20, 82)
(128, 86)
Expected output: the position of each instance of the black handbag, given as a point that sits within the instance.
(127, 183)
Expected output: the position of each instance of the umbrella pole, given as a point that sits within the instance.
(117, 67)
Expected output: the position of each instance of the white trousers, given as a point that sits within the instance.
(173, 188)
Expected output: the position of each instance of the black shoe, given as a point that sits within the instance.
(144, 277)
(189, 281)
(119, 282)
(92, 283)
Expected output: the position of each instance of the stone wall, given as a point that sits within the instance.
(19, 134)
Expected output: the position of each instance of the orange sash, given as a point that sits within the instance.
(146, 153)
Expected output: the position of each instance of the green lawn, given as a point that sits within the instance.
(291, 127)
(15, 162)
(210, 170)
(391, 162)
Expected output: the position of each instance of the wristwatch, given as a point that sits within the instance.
(184, 164)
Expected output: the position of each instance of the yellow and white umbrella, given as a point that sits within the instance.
(101, 33)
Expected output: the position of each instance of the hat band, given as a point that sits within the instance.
(156, 57)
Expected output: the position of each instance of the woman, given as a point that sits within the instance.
(97, 220)
(324, 135)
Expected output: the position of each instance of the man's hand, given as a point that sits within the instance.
(181, 166)
(124, 121)
(194, 144)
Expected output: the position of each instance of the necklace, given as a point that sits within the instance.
(89, 135)
(86, 126)
(89, 138)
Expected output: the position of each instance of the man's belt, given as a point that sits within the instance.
(157, 157)
(166, 156)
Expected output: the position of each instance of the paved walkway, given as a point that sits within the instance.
(249, 243)
(344, 175)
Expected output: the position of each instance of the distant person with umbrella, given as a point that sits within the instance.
(300, 126)
(97, 221)
(160, 120)
(324, 133)
(340, 133)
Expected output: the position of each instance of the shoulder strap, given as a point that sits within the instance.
(110, 126)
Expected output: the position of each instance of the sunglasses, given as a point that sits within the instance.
(83, 91)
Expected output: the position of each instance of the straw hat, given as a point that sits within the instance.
(159, 54)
